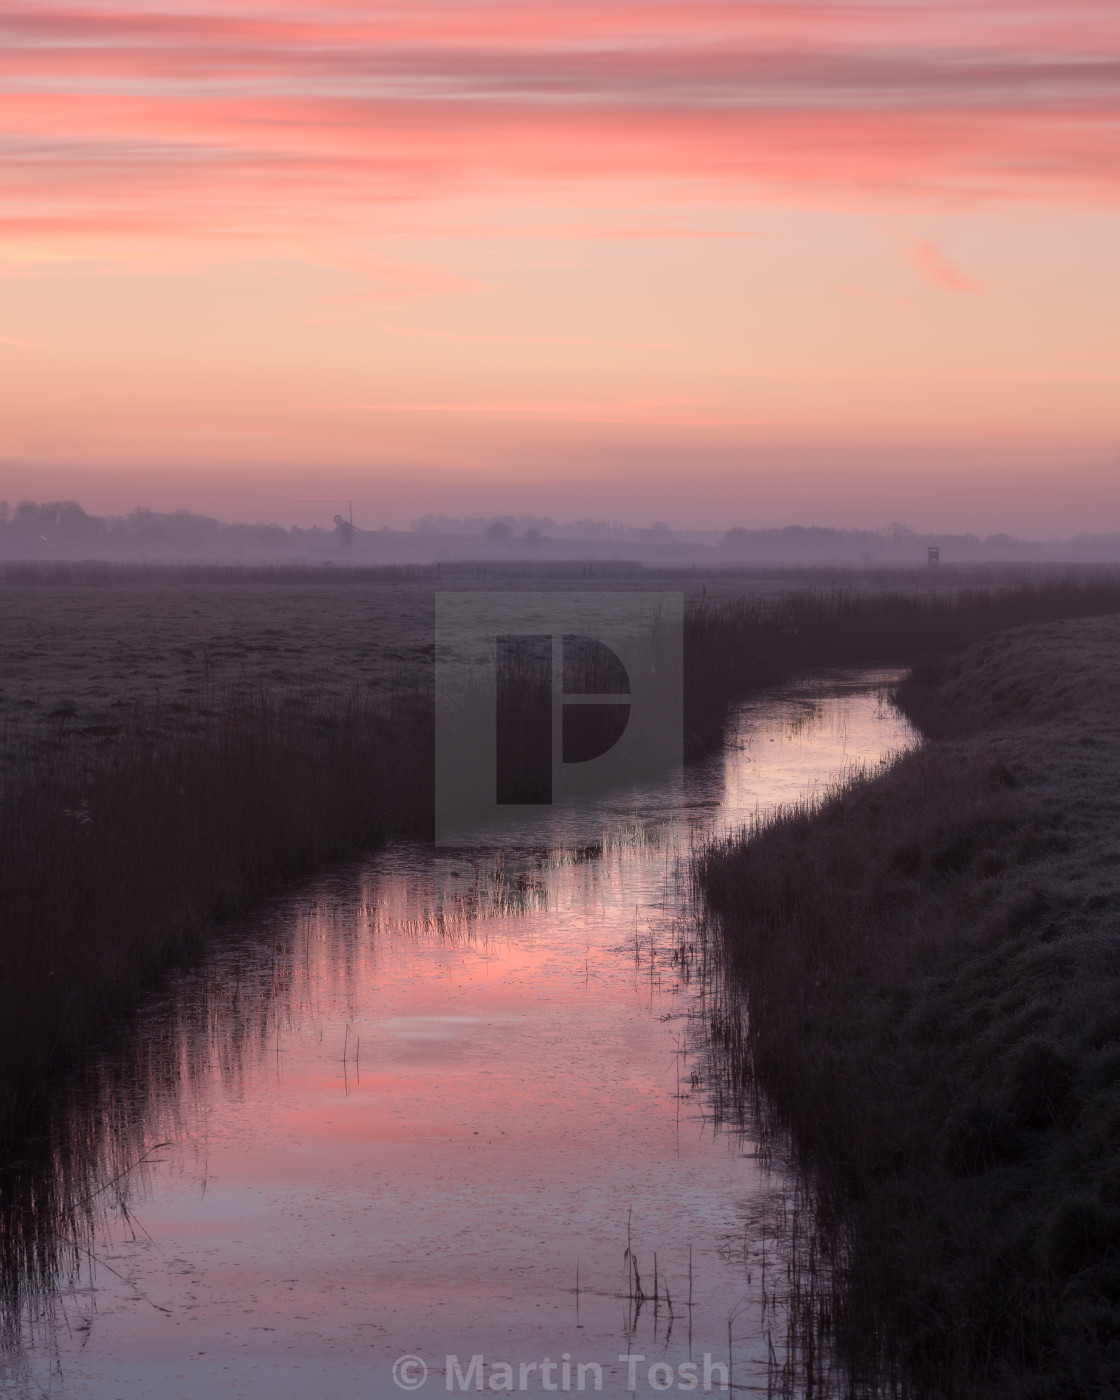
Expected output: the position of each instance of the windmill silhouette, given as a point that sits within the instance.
(345, 529)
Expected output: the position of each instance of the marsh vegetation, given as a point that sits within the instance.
(173, 749)
(922, 976)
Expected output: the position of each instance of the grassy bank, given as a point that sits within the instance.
(927, 977)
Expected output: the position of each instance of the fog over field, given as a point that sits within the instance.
(62, 530)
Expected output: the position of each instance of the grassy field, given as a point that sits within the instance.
(927, 1002)
(78, 658)
(81, 646)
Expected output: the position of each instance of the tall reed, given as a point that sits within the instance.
(115, 860)
(734, 646)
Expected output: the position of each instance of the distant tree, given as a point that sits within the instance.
(498, 530)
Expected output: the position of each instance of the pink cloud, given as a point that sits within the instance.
(247, 119)
(936, 268)
(624, 411)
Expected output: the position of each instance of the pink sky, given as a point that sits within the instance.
(714, 263)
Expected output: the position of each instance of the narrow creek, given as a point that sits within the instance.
(446, 1104)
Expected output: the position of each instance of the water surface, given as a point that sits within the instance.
(452, 1103)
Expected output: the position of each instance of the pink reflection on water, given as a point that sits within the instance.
(466, 1084)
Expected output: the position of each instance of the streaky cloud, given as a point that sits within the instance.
(268, 119)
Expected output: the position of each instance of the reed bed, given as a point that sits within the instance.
(115, 861)
(737, 645)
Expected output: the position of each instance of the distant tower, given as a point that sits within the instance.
(345, 530)
(933, 555)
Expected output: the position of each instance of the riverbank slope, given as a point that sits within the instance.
(928, 982)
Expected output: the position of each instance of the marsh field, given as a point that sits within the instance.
(79, 658)
(180, 744)
(83, 644)
(91, 652)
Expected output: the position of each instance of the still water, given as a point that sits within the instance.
(450, 1105)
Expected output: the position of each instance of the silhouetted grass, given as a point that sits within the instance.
(114, 861)
(924, 983)
(737, 645)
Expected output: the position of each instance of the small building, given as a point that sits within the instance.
(933, 554)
